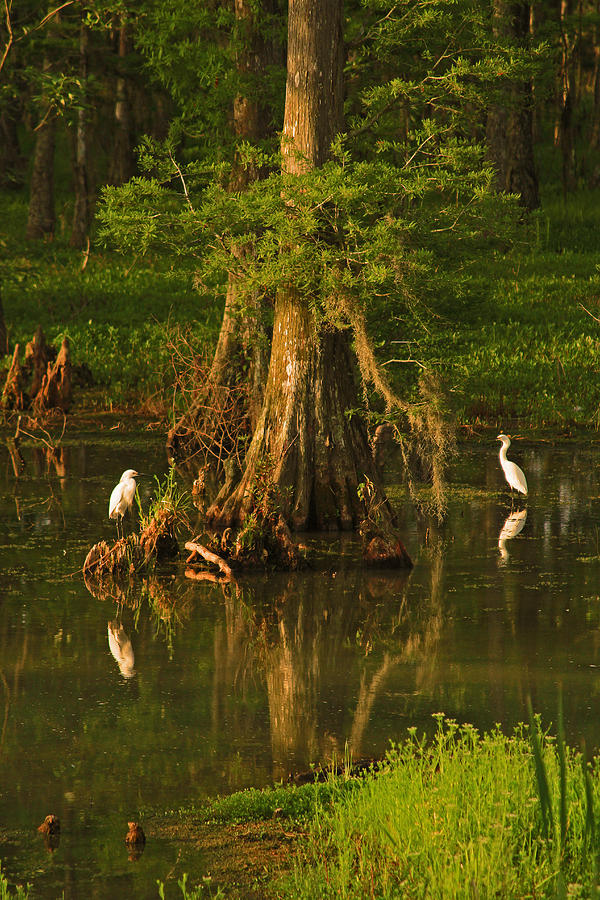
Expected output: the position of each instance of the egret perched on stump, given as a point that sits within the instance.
(122, 496)
(513, 474)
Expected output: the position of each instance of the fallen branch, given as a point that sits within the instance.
(200, 550)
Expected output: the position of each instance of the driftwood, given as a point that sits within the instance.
(197, 549)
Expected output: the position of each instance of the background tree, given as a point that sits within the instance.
(509, 129)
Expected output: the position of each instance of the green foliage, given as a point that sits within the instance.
(169, 500)
(200, 892)
(117, 315)
(290, 802)
(458, 810)
(20, 892)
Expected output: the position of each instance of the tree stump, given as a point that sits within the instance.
(12, 395)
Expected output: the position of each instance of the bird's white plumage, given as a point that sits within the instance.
(121, 649)
(512, 472)
(122, 495)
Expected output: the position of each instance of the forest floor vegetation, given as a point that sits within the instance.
(521, 346)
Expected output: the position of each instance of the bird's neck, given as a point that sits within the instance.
(503, 450)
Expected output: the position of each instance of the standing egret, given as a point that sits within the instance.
(513, 474)
(122, 496)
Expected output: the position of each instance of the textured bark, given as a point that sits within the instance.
(122, 166)
(509, 131)
(41, 219)
(566, 99)
(81, 211)
(3, 332)
(315, 452)
(595, 120)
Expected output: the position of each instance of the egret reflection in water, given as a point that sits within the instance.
(513, 525)
(121, 648)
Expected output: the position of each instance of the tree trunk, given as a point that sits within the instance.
(509, 131)
(315, 452)
(12, 161)
(81, 211)
(122, 166)
(595, 119)
(242, 343)
(41, 219)
(565, 127)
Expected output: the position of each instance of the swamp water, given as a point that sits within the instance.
(183, 690)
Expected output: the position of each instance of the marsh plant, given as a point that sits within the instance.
(463, 814)
(19, 893)
(169, 501)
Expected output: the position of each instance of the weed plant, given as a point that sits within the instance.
(169, 500)
(460, 816)
(19, 893)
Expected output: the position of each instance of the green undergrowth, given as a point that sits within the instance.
(462, 815)
(522, 344)
(253, 804)
(519, 345)
(118, 314)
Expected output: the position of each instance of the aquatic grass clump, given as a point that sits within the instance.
(19, 893)
(458, 816)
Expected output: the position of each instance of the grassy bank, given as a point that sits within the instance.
(462, 815)
(518, 346)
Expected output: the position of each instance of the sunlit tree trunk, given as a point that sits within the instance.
(316, 453)
(509, 130)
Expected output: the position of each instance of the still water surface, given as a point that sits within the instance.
(185, 690)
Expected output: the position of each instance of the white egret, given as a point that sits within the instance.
(513, 474)
(122, 496)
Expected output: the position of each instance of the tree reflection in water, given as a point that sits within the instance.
(324, 645)
(318, 647)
